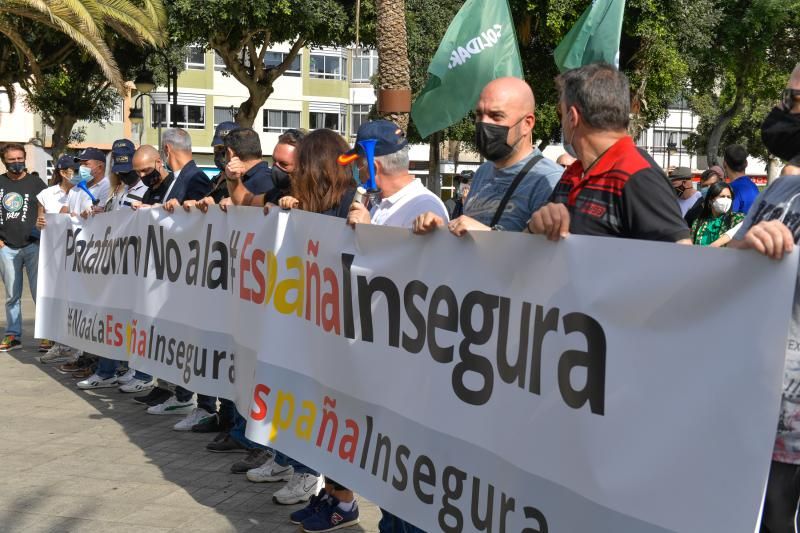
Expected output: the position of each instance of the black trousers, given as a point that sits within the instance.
(780, 504)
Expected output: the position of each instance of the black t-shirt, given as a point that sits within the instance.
(157, 195)
(219, 189)
(625, 194)
(19, 209)
(258, 179)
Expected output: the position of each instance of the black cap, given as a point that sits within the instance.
(91, 154)
(122, 156)
(390, 138)
(66, 161)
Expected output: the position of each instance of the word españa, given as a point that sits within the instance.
(207, 264)
(487, 39)
(326, 298)
(190, 359)
(394, 464)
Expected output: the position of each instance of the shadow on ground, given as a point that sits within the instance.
(73, 460)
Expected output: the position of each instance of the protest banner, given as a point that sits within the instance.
(495, 382)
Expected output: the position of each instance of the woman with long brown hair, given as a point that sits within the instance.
(319, 183)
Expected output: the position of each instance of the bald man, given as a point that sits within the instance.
(150, 168)
(516, 179)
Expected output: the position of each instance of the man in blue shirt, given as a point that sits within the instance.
(744, 190)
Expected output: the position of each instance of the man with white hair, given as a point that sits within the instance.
(190, 183)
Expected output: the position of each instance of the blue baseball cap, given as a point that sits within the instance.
(91, 154)
(222, 131)
(122, 156)
(67, 161)
(389, 136)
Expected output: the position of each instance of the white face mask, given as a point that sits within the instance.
(722, 205)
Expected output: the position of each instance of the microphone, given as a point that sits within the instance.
(82, 186)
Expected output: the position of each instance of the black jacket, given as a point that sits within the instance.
(192, 184)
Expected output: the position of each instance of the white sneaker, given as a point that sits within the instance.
(126, 377)
(96, 382)
(137, 385)
(172, 407)
(194, 417)
(270, 472)
(57, 354)
(299, 489)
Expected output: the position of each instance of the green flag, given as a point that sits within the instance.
(480, 45)
(594, 38)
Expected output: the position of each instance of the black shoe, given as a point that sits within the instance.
(156, 396)
(228, 445)
(208, 425)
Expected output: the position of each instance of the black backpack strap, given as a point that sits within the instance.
(510, 191)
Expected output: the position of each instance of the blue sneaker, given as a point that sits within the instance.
(330, 517)
(313, 507)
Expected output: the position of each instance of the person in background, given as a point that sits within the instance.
(565, 160)
(717, 223)
(52, 200)
(681, 180)
(92, 170)
(219, 188)
(455, 205)
(709, 177)
(19, 239)
(744, 190)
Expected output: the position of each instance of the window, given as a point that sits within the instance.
(328, 67)
(224, 114)
(195, 57)
(117, 112)
(279, 121)
(331, 121)
(661, 139)
(365, 65)
(358, 115)
(187, 116)
(274, 59)
(219, 63)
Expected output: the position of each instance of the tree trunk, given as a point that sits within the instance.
(62, 129)
(248, 110)
(715, 136)
(433, 164)
(772, 170)
(393, 67)
(454, 151)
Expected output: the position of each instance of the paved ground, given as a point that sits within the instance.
(95, 461)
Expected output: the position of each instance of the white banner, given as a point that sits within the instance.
(497, 382)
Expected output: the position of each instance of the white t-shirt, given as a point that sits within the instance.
(78, 201)
(52, 199)
(688, 203)
(401, 208)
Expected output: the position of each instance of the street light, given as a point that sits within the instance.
(672, 146)
(136, 115)
(144, 82)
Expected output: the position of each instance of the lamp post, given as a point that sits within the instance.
(672, 146)
(136, 116)
(145, 84)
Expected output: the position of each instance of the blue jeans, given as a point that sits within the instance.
(106, 368)
(299, 468)
(12, 261)
(142, 376)
(237, 432)
(391, 524)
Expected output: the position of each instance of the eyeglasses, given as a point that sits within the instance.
(790, 97)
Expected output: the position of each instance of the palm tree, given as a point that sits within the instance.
(393, 67)
(85, 23)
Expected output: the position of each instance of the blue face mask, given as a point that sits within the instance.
(84, 174)
(75, 179)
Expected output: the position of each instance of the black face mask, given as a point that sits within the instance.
(129, 178)
(491, 140)
(280, 178)
(781, 134)
(150, 179)
(16, 168)
(219, 160)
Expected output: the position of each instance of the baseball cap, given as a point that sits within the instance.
(222, 131)
(681, 173)
(91, 154)
(390, 138)
(122, 156)
(66, 161)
